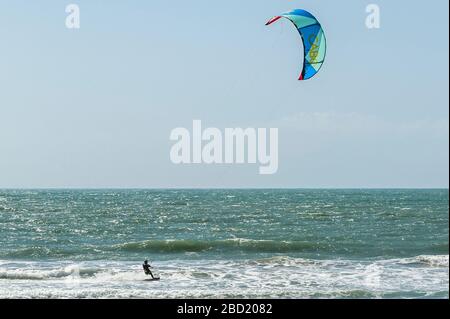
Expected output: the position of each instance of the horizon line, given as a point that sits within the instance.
(224, 188)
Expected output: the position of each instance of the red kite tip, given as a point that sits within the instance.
(273, 20)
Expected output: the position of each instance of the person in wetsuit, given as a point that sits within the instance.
(147, 267)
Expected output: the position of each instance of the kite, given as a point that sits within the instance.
(313, 39)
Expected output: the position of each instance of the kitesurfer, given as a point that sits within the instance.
(147, 267)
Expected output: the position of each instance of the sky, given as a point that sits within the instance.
(94, 107)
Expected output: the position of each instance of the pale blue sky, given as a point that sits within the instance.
(94, 107)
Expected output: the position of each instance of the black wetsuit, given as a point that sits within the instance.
(147, 270)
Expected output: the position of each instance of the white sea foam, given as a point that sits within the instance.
(421, 276)
(437, 261)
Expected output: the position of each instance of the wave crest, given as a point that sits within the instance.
(227, 244)
(40, 274)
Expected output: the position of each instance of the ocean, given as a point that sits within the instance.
(294, 243)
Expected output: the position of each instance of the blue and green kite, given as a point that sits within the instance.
(313, 38)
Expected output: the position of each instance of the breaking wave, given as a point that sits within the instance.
(42, 274)
(250, 245)
(423, 276)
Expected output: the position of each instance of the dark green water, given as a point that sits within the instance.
(365, 235)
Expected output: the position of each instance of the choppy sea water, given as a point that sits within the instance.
(224, 243)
